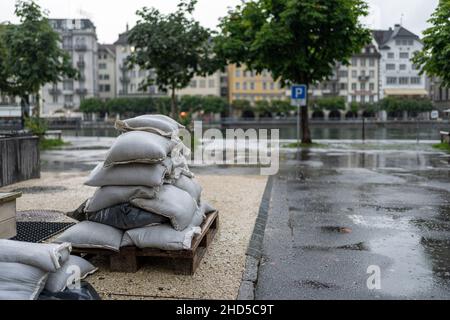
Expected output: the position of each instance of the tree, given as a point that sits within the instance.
(32, 57)
(299, 41)
(434, 59)
(331, 103)
(175, 46)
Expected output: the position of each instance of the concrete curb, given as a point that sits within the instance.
(254, 250)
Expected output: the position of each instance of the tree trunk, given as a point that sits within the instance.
(174, 107)
(305, 133)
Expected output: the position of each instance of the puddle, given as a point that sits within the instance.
(333, 229)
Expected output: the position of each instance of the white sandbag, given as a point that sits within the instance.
(139, 147)
(159, 124)
(89, 234)
(190, 185)
(206, 208)
(48, 257)
(75, 269)
(20, 281)
(170, 202)
(162, 237)
(148, 175)
(109, 196)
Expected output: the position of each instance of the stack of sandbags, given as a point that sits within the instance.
(147, 197)
(27, 269)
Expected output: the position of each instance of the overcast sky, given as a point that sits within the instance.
(111, 17)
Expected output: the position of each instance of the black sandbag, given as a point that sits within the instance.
(125, 217)
(86, 292)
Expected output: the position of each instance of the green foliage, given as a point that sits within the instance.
(442, 146)
(434, 59)
(354, 107)
(241, 104)
(207, 104)
(37, 126)
(282, 106)
(49, 144)
(331, 103)
(30, 53)
(263, 106)
(132, 105)
(394, 104)
(298, 41)
(93, 105)
(174, 45)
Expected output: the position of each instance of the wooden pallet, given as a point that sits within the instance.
(183, 262)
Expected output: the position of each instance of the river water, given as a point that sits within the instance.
(329, 131)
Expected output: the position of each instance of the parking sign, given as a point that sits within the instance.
(298, 94)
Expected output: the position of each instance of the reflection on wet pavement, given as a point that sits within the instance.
(350, 209)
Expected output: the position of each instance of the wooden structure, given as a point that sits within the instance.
(183, 262)
(19, 159)
(8, 227)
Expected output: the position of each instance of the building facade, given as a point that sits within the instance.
(79, 39)
(398, 74)
(362, 76)
(244, 84)
(106, 71)
(203, 86)
(128, 81)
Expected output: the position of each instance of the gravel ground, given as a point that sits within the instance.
(219, 276)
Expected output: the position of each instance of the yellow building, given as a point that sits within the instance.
(244, 84)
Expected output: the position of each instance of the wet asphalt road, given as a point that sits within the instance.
(336, 213)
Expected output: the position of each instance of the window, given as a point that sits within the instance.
(211, 83)
(272, 86)
(100, 88)
(354, 74)
(416, 80)
(102, 66)
(372, 62)
(248, 73)
(403, 80)
(264, 85)
(372, 99)
(202, 84)
(106, 77)
(193, 84)
(390, 66)
(353, 86)
(363, 73)
(244, 86)
(404, 55)
(391, 80)
(238, 73)
(55, 99)
(343, 74)
(363, 99)
(343, 86)
(238, 86)
(398, 42)
(391, 55)
(68, 98)
(363, 62)
(354, 61)
(414, 67)
(68, 85)
(107, 88)
(372, 73)
(353, 98)
(410, 42)
(363, 86)
(371, 86)
(403, 67)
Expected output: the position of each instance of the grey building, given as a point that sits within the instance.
(79, 39)
(106, 71)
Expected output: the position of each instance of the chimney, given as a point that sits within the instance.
(128, 28)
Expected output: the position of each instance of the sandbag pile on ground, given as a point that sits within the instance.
(146, 195)
(28, 269)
